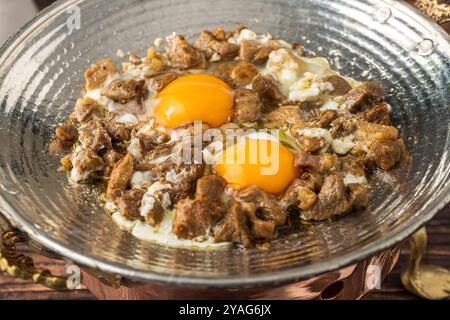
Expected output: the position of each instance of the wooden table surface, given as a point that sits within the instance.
(438, 253)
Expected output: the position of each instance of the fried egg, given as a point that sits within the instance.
(261, 162)
(197, 97)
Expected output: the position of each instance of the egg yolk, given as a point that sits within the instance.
(190, 98)
(264, 163)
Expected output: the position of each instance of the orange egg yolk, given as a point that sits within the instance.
(264, 163)
(198, 97)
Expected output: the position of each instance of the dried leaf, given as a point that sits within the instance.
(427, 281)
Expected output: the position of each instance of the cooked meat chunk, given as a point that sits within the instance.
(210, 45)
(262, 229)
(120, 175)
(98, 73)
(186, 177)
(95, 137)
(128, 203)
(125, 90)
(282, 116)
(210, 187)
(353, 165)
(234, 227)
(358, 196)
(363, 97)
(387, 153)
(300, 194)
(194, 217)
(323, 163)
(331, 200)
(65, 136)
(85, 109)
(66, 133)
(154, 61)
(267, 88)
(263, 205)
(243, 73)
(325, 119)
(247, 106)
(160, 81)
(224, 70)
(368, 132)
(252, 51)
(182, 54)
(156, 201)
(378, 114)
(340, 85)
(118, 131)
(85, 164)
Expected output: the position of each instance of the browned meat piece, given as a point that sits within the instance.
(387, 153)
(97, 73)
(282, 116)
(234, 227)
(323, 163)
(342, 127)
(220, 34)
(186, 178)
(118, 131)
(378, 114)
(263, 205)
(155, 214)
(183, 55)
(85, 163)
(340, 85)
(252, 51)
(160, 81)
(223, 71)
(299, 194)
(363, 97)
(66, 133)
(243, 73)
(367, 132)
(194, 217)
(267, 88)
(262, 229)
(65, 136)
(358, 196)
(247, 106)
(151, 138)
(154, 61)
(120, 175)
(209, 44)
(128, 203)
(85, 109)
(210, 187)
(331, 200)
(95, 137)
(110, 158)
(353, 165)
(311, 143)
(325, 119)
(125, 90)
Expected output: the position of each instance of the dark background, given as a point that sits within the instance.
(438, 229)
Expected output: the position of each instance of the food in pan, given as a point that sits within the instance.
(226, 139)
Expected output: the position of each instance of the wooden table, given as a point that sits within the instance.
(438, 253)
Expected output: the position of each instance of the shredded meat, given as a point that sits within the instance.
(184, 55)
(97, 73)
(247, 106)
